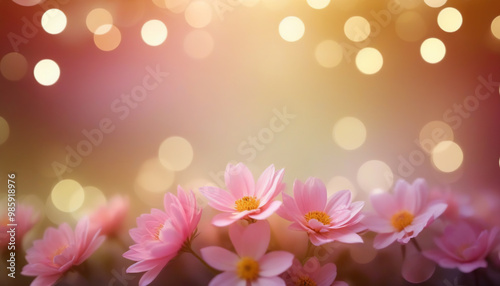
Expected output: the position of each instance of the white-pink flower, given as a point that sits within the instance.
(312, 273)
(325, 220)
(402, 215)
(24, 218)
(160, 235)
(59, 250)
(463, 246)
(245, 199)
(109, 218)
(250, 265)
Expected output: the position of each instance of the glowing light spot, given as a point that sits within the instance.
(198, 14)
(246, 204)
(449, 19)
(495, 27)
(154, 32)
(411, 26)
(176, 6)
(13, 66)
(339, 183)
(375, 176)
(67, 195)
(434, 132)
(435, 3)
(4, 130)
(54, 21)
(175, 153)
(328, 54)
(447, 156)
(198, 44)
(55, 215)
(46, 72)
(432, 50)
(154, 177)
(291, 29)
(107, 41)
(318, 4)
(349, 133)
(94, 198)
(27, 3)
(363, 253)
(369, 61)
(357, 29)
(99, 21)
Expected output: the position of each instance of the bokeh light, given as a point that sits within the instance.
(339, 183)
(363, 253)
(328, 54)
(4, 130)
(67, 195)
(411, 26)
(495, 27)
(175, 6)
(434, 132)
(94, 198)
(432, 50)
(46, 72)
(154, 32)
(175, 153)
(107, 41)
(349, 133)
(198, 44)
(198, 14)
(318, 4)
(27, 3)
(291, 29)
(154, 177)
(375, 176)
(449, 19)
(13, 66)
(369, 61)
(99, 20)
(447, 156)
(54, 21)
(435, 3)
(357, 29)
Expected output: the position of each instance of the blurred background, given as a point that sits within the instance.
(99, 98)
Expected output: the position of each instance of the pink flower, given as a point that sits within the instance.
(245, 199)
(250, 265)
(402, 215)
(109, 218)
(463, 246)
(160, 235)
(323, 220)
(312, 273)
(25, 220)
(59, 250)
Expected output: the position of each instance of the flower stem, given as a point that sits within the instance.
(417, 246)
(215, 271)
(309, 247)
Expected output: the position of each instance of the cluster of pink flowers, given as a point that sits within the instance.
(245, 211)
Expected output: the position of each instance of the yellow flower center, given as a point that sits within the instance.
(401, 219)
(156, 233)
(305, 281)
(322, 217)
(247, 268)
(247, 203)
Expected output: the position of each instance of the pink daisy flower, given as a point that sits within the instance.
(312, 273)
(25, 218)
(324, 220)
(109, 218)
(160, 235)
(463, 246)
(402, 215)
(250, 265)
(245, 199)
(60, 250)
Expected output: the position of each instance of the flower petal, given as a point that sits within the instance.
(268, 281)
(239, 181)
(227, 279)
(326, 275)
(219, 258)
(382, 240)
(251, 241)
(150, 275)
(267, 212)
(384, 204)
(275, 263)
(219, 199)
(44, 280)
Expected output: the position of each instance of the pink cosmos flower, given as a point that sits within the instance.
(463, 246)
(109, 218)
(250, 265)
(59, 250)
(323, 220)
(312, 273)
(25, 218)
(160, 235)
(402, 215)
(245, 199)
